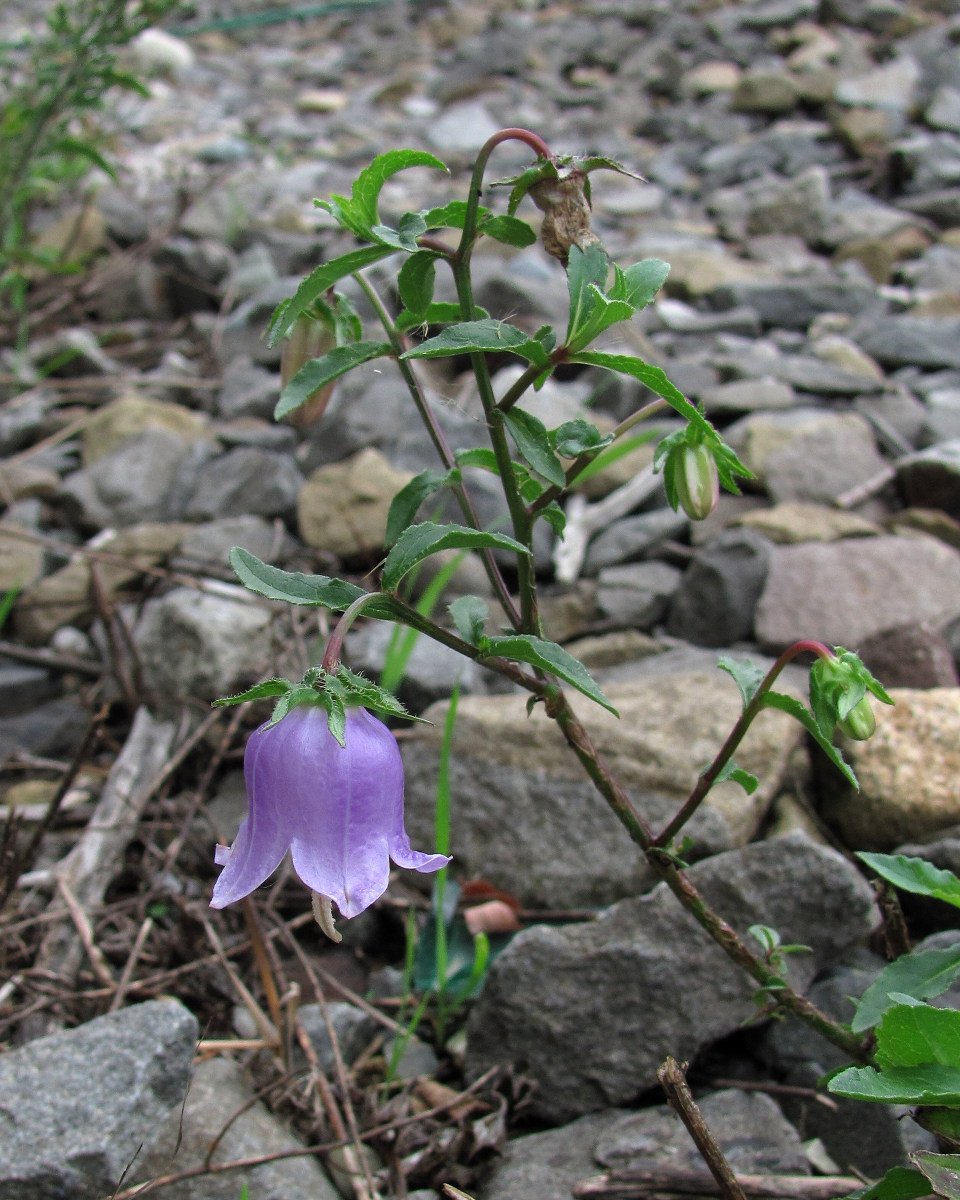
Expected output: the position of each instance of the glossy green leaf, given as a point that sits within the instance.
(915, 875)
(638, 285)
(481, 337)
(406, 503)
(747, 675)
(550, 657)
(574, 438)
(922, 974)
(912, 1035)
(469, 614)
(358, 213)
(652, 377)
(736, 774)
(481, 456)
(319, 371)
(420, 541)
(316, 283)
(801, 713)
(415, 281)
(944, 1122)
(410, 227)
(931, 1083)
(509, 230)
(899, 1183)
(533, 442)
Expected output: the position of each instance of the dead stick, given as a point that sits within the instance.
(638, 1184)
(674, 1083)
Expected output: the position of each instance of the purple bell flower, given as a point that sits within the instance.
(337, 809)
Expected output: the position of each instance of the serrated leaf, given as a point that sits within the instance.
(746, 675)
(533, 442)
(931, 1083)
(638, 285)
(295, 587)
(316, 283)
(801, 713)
(469, 614)
(360, 690)
(359, 212)
(415, 281)
(548, 656)
(259, 691)
(420, 541)
(915, 875)
(406, 503)
(509, 230)
(941, 1170)
(922, 975)
(911, 1035)
(731, 771)
(319, 371)
(450, 216)
(485, 336)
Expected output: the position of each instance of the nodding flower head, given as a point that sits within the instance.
(337, 809)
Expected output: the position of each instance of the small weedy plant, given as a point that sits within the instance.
(45, 143)
(323, 775)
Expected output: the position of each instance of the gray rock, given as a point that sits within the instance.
(23, 687)
(525, 817)
(141, 481)
(637, 594)
(354, 1030)
(819, 469)
(943, 111)
(931, 478)
(793, 304)
(752, 1132)
(201, 644)
(893, 86)
(809, 374)
(221, 1093)
(717, 596)
(210, 544)
(748, 395)
(910, 656)
(602, 987)
(50, 730)
(930, 342)
(842, 593)
(462, 129)
(246, 480)
(247, 390)
(79, 1105)
(633, 537)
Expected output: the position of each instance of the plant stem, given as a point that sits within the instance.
(331, 656)
(673, 1080)
(736, 736)
(442, 447)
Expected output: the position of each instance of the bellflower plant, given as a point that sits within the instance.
(337, 808)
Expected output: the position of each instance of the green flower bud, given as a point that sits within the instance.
(697, 481)
(859, 723)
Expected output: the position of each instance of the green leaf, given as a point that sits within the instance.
(931, 1083)
(587, 272)
(359, 212)
(415, 281)
(944, 1122)
(357, 689)
(405, 504)
(574, 438)
(613, 453)
(318, 371)
(316, 283)
(260, 691)
(469, 615)
(550, 657)
(481, 456)
(294, 587)
(533, 442)
(440, 312)
(555, 517)
(942, 1170)
(912, 1035)
(731, 771)
(652, 377)
(404, 237)
(83, 149)
(479, 337)
(899, 1183)
(450, 216)
(509, 230)
(332, 704)
(420, 541)
(746, 675)
(638, 285)
(915, 875)
(801, 713)
(922, 974)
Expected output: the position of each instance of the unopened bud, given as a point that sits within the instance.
(859, 723)
(697, 481)
(308, 339)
